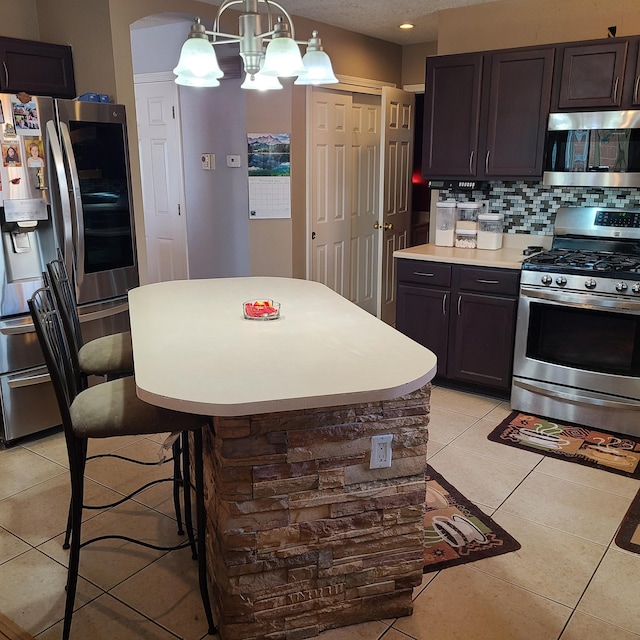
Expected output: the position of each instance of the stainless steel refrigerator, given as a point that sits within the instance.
(65, 185)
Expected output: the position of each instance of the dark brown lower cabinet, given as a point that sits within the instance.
(466, 315)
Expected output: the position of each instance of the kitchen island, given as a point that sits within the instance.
(302, 535)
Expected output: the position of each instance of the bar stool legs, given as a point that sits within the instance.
(77, 458)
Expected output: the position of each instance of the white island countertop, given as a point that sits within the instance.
(194, 351)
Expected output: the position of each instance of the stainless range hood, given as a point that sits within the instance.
(593, 149)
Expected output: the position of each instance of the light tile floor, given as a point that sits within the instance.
(569, 581)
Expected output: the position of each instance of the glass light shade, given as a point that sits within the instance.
(318, 69)
(282, 59)
(261, 82)
(188, 80)
(198, 64)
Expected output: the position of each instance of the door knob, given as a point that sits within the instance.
(377, 225)
(387, 226)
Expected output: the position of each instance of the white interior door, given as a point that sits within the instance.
(365, 201)
(398, 120)
(162, 180)
(330, 183)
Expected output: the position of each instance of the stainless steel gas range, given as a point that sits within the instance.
(577, 347)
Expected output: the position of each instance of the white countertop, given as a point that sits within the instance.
(510, 256)
(506, 258)
(194, 351)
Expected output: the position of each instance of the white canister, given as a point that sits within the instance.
(445, 223)
(490, 226)
(466, 238)
(468, 215)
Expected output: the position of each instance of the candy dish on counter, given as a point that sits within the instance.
(262, 309)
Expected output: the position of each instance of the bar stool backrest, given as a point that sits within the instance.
(57, 354)
(62, 289)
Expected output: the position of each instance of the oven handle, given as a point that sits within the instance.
(554, 392)
(583, 300)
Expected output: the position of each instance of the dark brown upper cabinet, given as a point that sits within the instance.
(452, 115)
(592, 75)
(37, 68)
(517, 99)
(486, 114)
(597, 74)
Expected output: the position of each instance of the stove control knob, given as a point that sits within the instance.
(546, 279)
(590, 284)
(636, 287)
(621, 286)
(561, 281)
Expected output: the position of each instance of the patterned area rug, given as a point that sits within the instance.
(628, 536)
(456, 531)
(595, 448)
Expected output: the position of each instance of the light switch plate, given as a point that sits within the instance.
(233, 161)
(208, 161)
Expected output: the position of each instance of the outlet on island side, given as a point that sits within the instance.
(380, 451)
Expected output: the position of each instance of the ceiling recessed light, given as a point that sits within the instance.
(407, 25)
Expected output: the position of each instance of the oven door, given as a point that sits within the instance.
(577, 358)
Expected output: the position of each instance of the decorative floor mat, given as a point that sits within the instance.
(592, 447)
(456, 531)
(628, 536)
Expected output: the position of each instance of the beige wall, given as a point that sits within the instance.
(270, 241)
(518, 23)
(20, 20)
(68, 21)
(414, 58)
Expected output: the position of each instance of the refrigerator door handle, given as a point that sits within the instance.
(53, 143)
(75, 188)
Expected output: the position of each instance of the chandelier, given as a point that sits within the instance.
(266, 55)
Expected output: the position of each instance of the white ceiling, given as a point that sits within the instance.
(376, 18)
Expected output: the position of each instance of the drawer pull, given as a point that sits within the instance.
(488, 281)
(426, 275)
(29, 381)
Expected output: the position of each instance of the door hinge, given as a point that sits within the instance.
(173, 112)
(179, 213)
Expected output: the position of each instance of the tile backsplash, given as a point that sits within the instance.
(530, 207)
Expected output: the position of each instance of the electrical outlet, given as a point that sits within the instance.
(380, 451)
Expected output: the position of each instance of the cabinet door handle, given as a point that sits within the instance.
(635, 89)
(487, 281)
(486, 162)
(444, 305)
(6, 74)
(471, 162)
(615, 89)
(459, 304)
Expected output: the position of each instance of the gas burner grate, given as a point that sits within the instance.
(584, 261)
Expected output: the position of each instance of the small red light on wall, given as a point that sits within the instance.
(416, 178)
